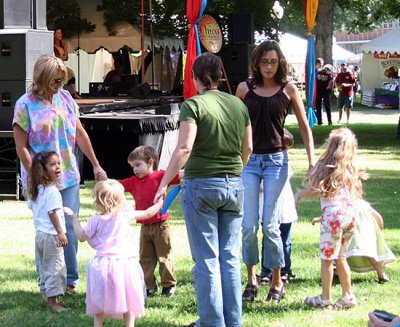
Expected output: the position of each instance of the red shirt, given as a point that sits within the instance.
(346, 77)
(143, 191)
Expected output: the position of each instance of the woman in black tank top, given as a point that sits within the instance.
(268, 96)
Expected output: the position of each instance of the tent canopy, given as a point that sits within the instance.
(126, 34)
(388, 42)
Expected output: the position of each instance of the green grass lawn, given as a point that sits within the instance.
(379, 154)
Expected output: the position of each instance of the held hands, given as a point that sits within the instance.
(99, 173)
(69, 213)
(316, 220)
(160, 194)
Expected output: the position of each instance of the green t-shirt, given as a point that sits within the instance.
(221, 119)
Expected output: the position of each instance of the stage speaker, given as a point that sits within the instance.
(241, 28)
(16, 13)
(19, 50)
(10, 91)
(141, 91)
(236, 60)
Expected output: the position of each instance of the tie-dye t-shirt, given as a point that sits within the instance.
(51, 127)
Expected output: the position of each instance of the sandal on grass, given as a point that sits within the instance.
(317, 302)
(250, 292)
(346, 302)
(275, 295)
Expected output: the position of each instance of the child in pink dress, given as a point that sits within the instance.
(115, 286)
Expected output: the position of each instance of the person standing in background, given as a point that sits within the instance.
(345, 83)
(324, 81)
(61, 51)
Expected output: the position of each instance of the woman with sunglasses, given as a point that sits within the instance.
(268, 97)
(46, 118)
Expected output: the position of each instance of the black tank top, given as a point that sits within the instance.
(267, 115)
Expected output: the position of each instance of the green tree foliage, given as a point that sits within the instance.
(66, 14)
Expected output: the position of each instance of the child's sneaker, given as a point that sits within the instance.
(151, 291)
(168, 291)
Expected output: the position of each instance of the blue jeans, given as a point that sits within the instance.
(213, 210)
(70, 198)
(287, 251)
(272, 170)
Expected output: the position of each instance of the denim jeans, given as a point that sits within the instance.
(287, 251)
(70, 198)
(272, 170)
(213, 210)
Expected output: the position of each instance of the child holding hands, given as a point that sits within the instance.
(115, 287)
(155, 236)
(46, 203)
(337, 182)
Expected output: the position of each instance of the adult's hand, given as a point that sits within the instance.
(374, 321)
(160, 194)
(99, 173)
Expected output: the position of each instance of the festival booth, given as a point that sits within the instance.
(380, 70)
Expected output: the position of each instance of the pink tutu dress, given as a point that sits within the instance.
(115, 283)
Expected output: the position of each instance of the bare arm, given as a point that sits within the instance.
(247, 144)
(187, 135)
(62, 238)
(377, 216)
(149, 212)
(22, 147)
(305, 130)
(80, 234)
(308, 192)
(242, 90)
(83, 141)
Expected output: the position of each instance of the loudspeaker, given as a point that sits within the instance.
(141, 91)
(10, 91)
(19, 50)
(16, 13)
(241, 28)
(236, 59)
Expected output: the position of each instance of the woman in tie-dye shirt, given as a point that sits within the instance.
(46, 118)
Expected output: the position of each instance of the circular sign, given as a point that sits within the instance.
(210, 34)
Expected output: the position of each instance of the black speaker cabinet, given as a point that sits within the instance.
(10, 91)
(16, 13)
(19, 50)
(236, 60)
(241, 28)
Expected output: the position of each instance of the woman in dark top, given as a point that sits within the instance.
(268, 97)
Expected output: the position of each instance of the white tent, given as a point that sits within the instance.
(93, 59)
(295, 50)
(380, 58)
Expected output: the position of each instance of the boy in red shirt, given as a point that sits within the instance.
(155, 237)
(345, 83)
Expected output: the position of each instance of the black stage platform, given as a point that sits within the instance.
(116, 127)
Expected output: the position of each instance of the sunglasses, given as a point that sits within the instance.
(57, 81)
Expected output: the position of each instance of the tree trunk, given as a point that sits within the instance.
(324, 31)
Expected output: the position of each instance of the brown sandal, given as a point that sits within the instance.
(250, 292)
(275, 295)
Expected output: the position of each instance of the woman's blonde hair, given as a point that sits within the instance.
(44, 72)
(335, 169)
(109, 196)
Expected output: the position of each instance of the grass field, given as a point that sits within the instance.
(379, 154)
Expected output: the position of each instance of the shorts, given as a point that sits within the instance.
(344, 101)
(337, 227)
